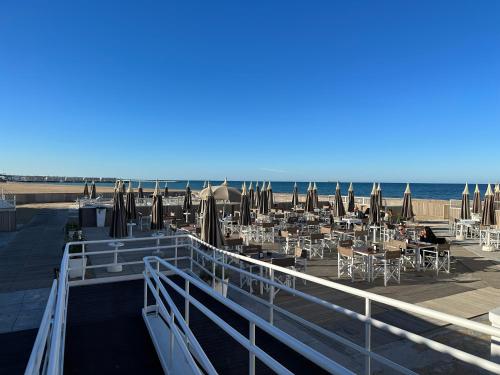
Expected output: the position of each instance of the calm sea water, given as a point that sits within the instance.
(389, 190)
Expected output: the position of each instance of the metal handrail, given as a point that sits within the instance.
(36, 363)
(56, 344)
(289, 341)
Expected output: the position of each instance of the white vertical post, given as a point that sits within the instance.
(368, 336)
(494, 316)
(176, 245)
(157, 285)
(213, 268)
(83, 261)
(186, 302)
(251, 367)
(271, 299)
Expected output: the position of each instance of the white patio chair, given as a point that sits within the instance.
(388, 265)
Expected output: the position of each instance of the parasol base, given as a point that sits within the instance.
(488, 248)
(114, 268)
(460, 237)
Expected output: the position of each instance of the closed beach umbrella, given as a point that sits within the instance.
(497, 193)
(295, 196)
(118, 227)
(379, 197)
(211, 231)
(165, 190)
(157, 209)
(315, 196)
(350, 198)
(140, 192)
(188, 200)
(263, 207)
(122, 186)
(488, 217)
(339, 205)
(374, 216)
(476, 201)
(257, 195)
(93, 192)
(270, 197)
(251, 196)
(407, 212)
(86, 190)
(130, 209)
(465, 207)
(309, 199)
(244, 207)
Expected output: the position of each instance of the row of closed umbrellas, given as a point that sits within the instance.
(487, 209)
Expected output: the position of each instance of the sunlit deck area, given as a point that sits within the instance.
(426, 324)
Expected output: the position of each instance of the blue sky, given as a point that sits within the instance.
(282, 90)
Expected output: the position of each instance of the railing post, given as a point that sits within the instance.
(83, 261)
(271, 299)
(176, 245)
(145, 289)
(251, 367)
(191, 256)
(171, 338)
(157, 285)
(368, 336)
(213, 268)
(186, 302)
(223, 269)
(494, 317)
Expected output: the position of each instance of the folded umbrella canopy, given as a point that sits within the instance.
(407, 212)
(270, 197)
(488, 217)
(374, 217)
(379, 197)
(309, 199)
(140, 193)
(86, 190)
(118, 226)
(188, 200)
(122, 187)
(315, 196)
(93, 192)
(295, 196)
(211, 232)
(476, 201)
(497, 193)
(157, 209)
(350, 199)
(263, 207)
(165, 190)
(465, 207)
(339, 205)
(257, 195)
(245, 207)
(251, 196)
(130, 209)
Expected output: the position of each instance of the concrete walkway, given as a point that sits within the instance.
(28, 258)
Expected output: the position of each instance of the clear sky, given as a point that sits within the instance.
(283, 90)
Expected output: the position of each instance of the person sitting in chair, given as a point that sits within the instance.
(401, 234)
(427, 235)
(358, 214)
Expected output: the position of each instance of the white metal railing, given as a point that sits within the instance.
(37, 363)
(189, 251)
(255, 352)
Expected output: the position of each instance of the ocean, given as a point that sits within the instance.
(389, 190)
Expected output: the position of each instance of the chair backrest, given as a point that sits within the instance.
(345, 243)
(443, 246)
(317, 236)
(395, 244)
(299, 252)
(292, 219)
(393, 254)
(325, 229)
(360, 233)
(267, 225)
(251, 249)
(345, 251)
(284, 262)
